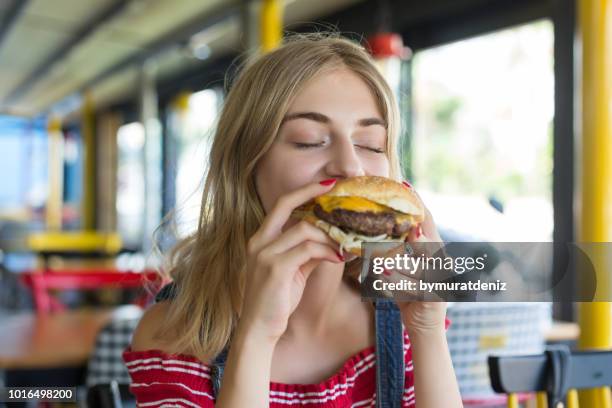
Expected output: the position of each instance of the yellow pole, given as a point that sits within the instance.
(271, 24)
(512, 401)
(181, 102)
(88, 202)
(595, 24)
(572, 399)
(55, 197)
(541, 401)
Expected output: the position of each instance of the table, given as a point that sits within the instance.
(40, 341)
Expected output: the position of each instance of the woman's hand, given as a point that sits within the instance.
(424, 316)
(279, 264)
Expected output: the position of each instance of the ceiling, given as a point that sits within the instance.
(53, 51)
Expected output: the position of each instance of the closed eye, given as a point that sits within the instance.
(372, 149)
(308, 145)
(300, 145)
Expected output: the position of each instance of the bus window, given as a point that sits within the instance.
(130, 184)
(193, 131)
(482, 134)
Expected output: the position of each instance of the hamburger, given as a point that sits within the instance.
(364, 209)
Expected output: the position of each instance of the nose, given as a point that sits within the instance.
(344, 161)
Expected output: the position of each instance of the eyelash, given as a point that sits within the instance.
(308, 145)
(313, 145)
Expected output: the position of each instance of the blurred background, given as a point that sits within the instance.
(108, 108)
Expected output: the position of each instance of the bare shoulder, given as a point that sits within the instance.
(145, 336)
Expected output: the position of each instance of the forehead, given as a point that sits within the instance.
(337, 90)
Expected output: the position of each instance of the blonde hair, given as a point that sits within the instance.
(208, 266)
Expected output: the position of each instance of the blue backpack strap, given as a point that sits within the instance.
(389, 354)
(166, 293)
(218, 365)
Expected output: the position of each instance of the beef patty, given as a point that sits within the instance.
(364, 223)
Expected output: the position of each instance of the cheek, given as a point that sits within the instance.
(280, 173)
(377, 166)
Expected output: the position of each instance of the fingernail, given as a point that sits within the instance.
(327, 182)
(340, 256)
(387, 272)
(407, 184)
(419, 232)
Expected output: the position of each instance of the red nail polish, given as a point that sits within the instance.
(419, 232)
(327, 182)
(340, 256)
(407, 184)
(387, 272)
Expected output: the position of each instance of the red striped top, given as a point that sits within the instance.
(176, 380)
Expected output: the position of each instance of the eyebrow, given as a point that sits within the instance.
(321, 118)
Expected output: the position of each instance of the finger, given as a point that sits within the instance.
(415, 233)
(302, 231)
(428, 226)
(309, 266)
(281, 212)
(394, 276)
(298, 256)
(422, 245)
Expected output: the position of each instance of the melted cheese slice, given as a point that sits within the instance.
(358, 204)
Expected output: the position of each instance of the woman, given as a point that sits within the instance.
(277, 291)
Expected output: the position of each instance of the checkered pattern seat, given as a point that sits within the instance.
(106, 363)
